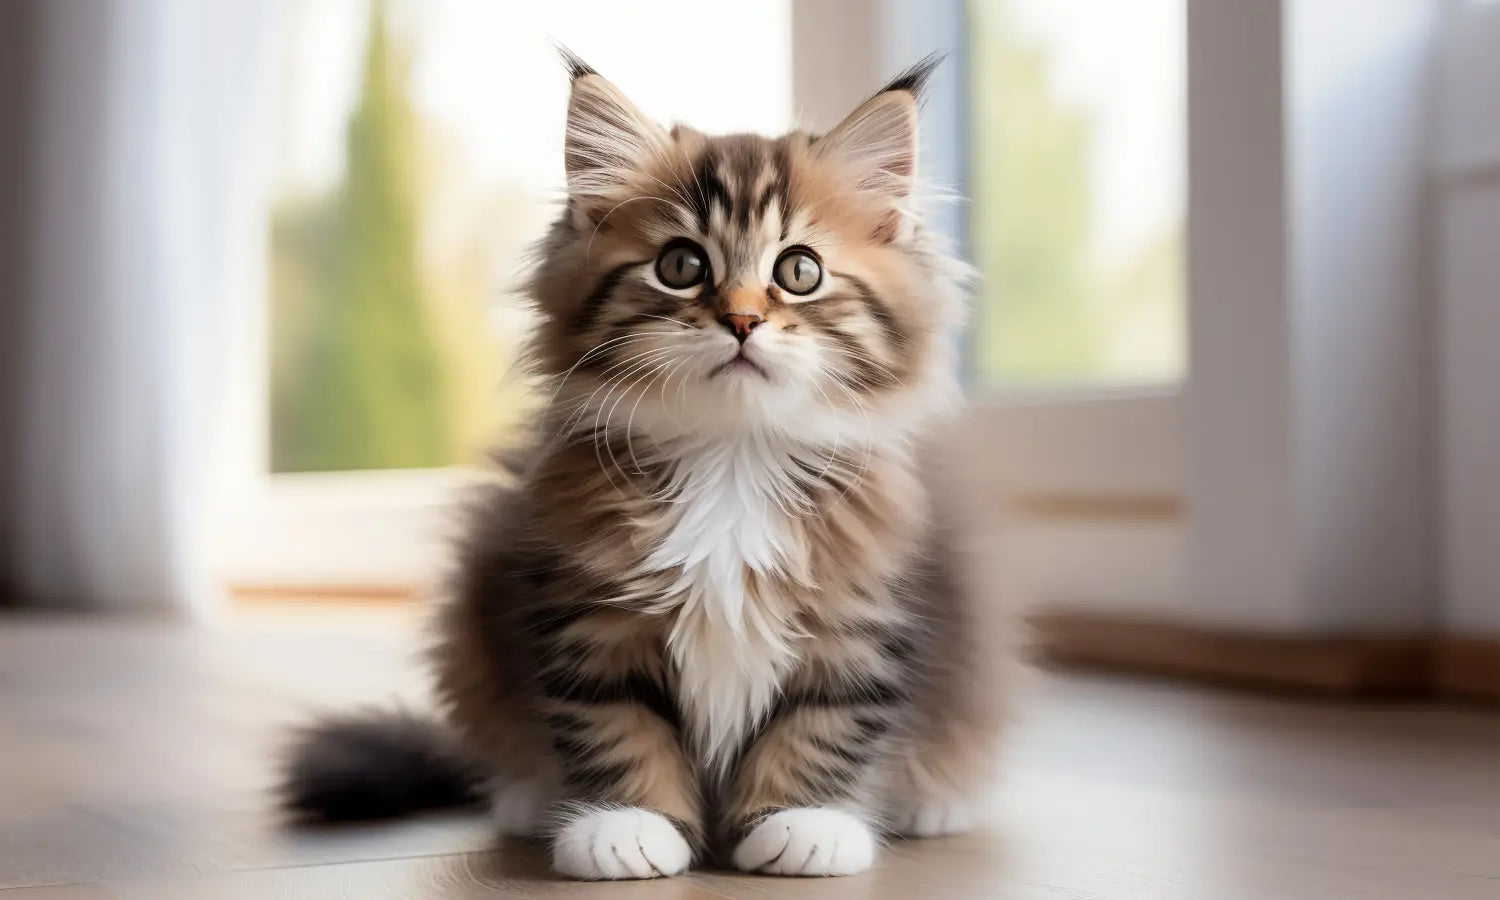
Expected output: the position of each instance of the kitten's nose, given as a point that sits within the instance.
(740, 325)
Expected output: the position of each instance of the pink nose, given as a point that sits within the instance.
(740, 325)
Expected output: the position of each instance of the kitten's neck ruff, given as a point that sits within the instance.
(742, 571)
(732, 641)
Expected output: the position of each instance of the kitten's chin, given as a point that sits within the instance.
(749, 393)
(740, 366)
(736, 400)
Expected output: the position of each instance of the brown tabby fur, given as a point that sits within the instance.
(575, 660)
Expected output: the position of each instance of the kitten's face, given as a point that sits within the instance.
(711, 283)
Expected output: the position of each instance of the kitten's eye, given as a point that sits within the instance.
(681, 264)
(798, 271)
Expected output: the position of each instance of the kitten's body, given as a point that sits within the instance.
(714, 618)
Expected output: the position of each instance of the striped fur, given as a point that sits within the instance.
(712, 619)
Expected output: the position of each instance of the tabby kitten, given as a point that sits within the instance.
(714, 621)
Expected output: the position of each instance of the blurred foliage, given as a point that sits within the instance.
(386, 352)
(380, 357)
(1048, 310)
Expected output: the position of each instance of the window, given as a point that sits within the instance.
(420, 156)
(1078, 149)
(419, 147)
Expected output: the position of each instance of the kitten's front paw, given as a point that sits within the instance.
(807, 842)
(619, 843)
(934, 818)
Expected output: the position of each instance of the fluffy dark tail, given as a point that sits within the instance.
(375, 765)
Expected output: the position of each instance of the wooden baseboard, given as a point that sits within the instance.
(1467, 667)
(1337, 666)
(324, 593)
(1387, 666)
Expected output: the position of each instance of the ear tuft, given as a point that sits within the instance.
(577, 68)
(877, 146)
(914, 79)
(607, 143)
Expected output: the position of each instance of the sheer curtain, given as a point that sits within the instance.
(145, 171)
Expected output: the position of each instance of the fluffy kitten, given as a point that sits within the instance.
(714, 620)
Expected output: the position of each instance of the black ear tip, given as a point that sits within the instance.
(577, 68)
(914, 79)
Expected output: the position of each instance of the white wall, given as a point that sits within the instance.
(1467, 216)
(1358, 106)
(1309, 478)
(1243, 565)
(1469, 336)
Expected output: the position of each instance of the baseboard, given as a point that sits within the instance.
(1416, 665)
(323, 593)
(1413, 665)
(1467, 667)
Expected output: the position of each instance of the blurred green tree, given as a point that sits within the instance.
(358, 378)
(1048, 309)
(1032, 219)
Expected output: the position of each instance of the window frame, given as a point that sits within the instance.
(1106, 473)
(383, 528)
(1088, 470)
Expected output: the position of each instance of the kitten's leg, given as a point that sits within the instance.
(800, 798)
(942, 776)
(632, 808)
(489, 702)
(970, 668)
(941, 783)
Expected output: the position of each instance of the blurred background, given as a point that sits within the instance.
(1231, 354)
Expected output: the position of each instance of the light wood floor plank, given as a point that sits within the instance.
(134, 762)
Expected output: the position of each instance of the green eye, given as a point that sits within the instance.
(681, 264)
(798, 271)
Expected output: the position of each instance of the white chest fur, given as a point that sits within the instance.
(731, 647)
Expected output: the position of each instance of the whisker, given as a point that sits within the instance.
(882, 369)
(686, 325)
(655, 372)
(597, 348)
(607, 384)
(599, 414)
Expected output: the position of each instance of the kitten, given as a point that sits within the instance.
(714, 621)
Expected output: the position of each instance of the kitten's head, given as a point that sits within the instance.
(699, 285)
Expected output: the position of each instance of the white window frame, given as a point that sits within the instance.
(1300, 506)
(375, 529)
(1207, 501)
(1091, 472)
(317, 533)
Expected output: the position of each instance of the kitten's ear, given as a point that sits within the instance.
(608, 140)
(878, 141)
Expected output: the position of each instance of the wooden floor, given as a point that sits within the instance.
(134, 758)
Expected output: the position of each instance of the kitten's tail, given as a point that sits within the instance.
(377, 764)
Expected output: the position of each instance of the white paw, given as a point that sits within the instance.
(520, 808)
(807, 842)
(934, 818)
(619, 843)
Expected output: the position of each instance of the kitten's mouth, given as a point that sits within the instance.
(739, 363)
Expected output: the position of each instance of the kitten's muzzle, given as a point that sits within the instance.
(740, 325)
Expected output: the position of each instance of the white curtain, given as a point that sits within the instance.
(147, 171)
